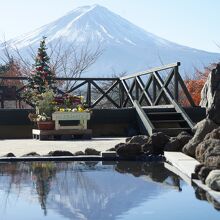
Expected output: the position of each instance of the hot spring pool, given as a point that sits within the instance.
(90, 190)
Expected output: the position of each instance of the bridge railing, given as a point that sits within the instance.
(157, 86)
(97, 92)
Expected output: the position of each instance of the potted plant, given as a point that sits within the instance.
(44, 109)
(44, 105)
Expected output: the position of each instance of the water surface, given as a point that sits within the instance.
(91, 190)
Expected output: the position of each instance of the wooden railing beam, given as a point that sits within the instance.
(151, 70)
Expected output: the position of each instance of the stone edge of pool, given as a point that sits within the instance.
(184, 166)
(105, 156)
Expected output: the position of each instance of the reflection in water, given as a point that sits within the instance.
(155, 171)
(86, 190)
(42, 177)
(203, 195)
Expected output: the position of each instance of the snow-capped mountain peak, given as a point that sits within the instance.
(127, 46)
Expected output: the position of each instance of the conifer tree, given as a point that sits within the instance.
(42, 78)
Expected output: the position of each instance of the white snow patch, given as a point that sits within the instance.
(106, 32)
(129, 41)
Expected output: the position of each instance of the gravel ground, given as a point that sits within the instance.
(20, 147)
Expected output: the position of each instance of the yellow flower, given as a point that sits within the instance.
(80, 109)
(62, 110)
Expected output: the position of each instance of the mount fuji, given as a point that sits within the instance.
(127, 47)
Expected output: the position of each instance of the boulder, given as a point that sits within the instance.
(173, 145)
(200, 193)
(198, 168)
(213, 150)
(138, 139)
(203, 173)
(205, 148)
(156, 143)
(201, 129)
(59, 153)
(79, 153)
(111, 149)
(215, 134)
(213, 180)
(31, 154)
(210, 94)
(9, 155)
(119, 145)
(177, 143)
(127, 139)
(129, 150)
(190, 148)
(159, 139)
(91, 151)
(184, 138)
(213, 161)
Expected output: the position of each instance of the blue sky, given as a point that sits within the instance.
(193, 23)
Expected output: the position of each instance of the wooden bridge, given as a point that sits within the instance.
(158, 95)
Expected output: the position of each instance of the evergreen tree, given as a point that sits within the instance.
(42, 78)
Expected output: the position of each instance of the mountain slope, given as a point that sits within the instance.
(126, 46)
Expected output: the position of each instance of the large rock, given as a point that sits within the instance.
(203, 173)
(118, 145)
(156, 143)
(91, 151)
(79, 153)
(59, 153)
(9, 155)
(129, 150)
(212, 157)
(213, 150)
(201, 129)
(184, 138)
(138, 139)
(173, 145)
(210, 95)
(177, 143)
(111, 149)
(213, 161)
(205, 148)
(213, 180)
(31, 154)
(198, 167)
(215, 134)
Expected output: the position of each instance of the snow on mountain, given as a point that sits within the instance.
(126, 46)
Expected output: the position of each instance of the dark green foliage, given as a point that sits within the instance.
(42, 78)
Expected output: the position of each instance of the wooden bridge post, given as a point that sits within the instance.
(121, 94)
(176, 85)
(136, 89)
(88, 97)
(154, 89)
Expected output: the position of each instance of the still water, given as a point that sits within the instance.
(96, 191)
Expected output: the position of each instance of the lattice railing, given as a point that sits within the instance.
(157, 86)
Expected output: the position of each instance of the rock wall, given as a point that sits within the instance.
(210, 95)
(205, 145)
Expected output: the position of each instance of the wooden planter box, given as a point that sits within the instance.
(76, 120)
(46, 125)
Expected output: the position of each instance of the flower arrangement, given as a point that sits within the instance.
(68, 103)
(48, 102)
(40, 91)
(43, 105)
